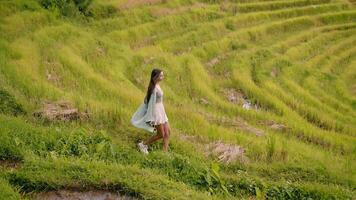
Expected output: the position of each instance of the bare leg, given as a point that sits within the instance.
(156, 137)
(166, 135)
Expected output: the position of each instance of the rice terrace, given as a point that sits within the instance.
(260, 97)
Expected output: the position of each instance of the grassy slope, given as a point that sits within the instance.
(103, 63)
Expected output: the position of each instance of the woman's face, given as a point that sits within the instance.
(161, 76)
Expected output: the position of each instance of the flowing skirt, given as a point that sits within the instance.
(160, 114)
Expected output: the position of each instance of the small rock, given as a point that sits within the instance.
(213, 62)
(278, 126)
(274, 125)
(239, 98)
(203, 101)
(248, 105)
(51, 67)
(100, 51)
(275, 72)
(233, 95)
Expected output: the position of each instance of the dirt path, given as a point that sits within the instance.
(81, 195)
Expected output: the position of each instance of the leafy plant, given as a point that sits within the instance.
(81, 143)
(214, 181)
(68, 8)
(271, 148)
(8, 104)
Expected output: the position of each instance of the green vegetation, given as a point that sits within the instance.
(8, 104)
(294, 59)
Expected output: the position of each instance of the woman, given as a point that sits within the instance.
(151, 115)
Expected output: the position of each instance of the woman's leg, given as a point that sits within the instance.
(167, 132)
(159, 135)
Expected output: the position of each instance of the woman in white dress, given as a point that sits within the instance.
(151, 115)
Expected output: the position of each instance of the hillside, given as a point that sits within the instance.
(260, 96)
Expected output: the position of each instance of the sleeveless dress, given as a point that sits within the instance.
(159, 113)
(151, 113)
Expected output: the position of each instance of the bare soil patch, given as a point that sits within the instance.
(81, 195)
(223, 152)
(60, 110)
(10, 164)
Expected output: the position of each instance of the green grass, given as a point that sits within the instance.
(100, 59)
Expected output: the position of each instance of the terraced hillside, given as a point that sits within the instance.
(260, 96)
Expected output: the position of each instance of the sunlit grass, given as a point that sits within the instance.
(102, 64)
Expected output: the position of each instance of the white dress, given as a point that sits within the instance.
(159, 111)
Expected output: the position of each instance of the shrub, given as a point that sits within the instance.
(101, 11)
(84, 144)
(245, 185)
(8, 105)
(178, 167)
(6, 192)
(9, 149)
(213, 180)
(68, 8)
(288, 191)
(271, 148)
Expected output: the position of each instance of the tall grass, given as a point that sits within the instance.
(294, 59)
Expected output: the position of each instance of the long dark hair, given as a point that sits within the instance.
(154, 76)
